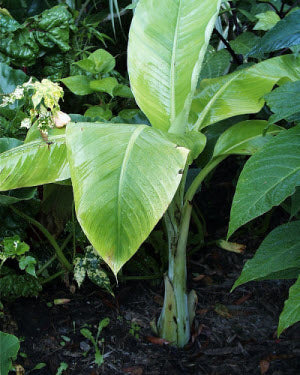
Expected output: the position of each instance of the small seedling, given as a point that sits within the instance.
(62, 367)
(95, 341)
(134, 330)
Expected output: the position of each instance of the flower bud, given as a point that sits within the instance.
(61, 119)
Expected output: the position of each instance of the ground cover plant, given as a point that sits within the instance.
(128, 171)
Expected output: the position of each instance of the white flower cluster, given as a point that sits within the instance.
(45, 111)
(11, 98)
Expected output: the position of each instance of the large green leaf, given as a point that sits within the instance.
(280, 251)
(285, 102)
(167, 43)
(9, 345)
(10, 78)
(291, 311)
(268, 178)
(18, 195)
(286, 33)
(240, 92)
(34, 163)
(245, 138)
(79, 85)
(124, 177)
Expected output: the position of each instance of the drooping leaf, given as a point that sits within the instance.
(266, 20)
(286, 33)
(124, 177)
(291, 312)
(79, 85)
(90, 265)
(268, 178)
(245, 138)
(10, 346)
(34, 163)
(284, 101)
(161, 37)
(217, 99)
(279, 251)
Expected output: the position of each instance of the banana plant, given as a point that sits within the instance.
(127, 177)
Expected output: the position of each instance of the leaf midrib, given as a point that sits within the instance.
(203, 114)
(173, 63)
(123, 169)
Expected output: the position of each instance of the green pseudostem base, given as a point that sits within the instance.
(179, 307)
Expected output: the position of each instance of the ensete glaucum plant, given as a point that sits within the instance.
(127, 177)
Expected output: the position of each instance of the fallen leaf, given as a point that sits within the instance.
(198, 277)
(264, 366)
(231, 246)
(222, 310)
(243, 299)
(197, 332)
(157, 340)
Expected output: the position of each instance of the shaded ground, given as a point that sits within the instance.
(232, 334)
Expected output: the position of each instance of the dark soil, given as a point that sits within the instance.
(232, 334)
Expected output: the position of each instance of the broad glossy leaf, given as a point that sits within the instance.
(244, 43)
(10, 79)
(268, 178)
(8, 143)
(285, 102)
(241, 92)
(18, 195)
(266, 20)
(124, 177)
(291, 312)
(286, 33)
(245, 138)
(279, 251)
(99, 61)
(34, 163)
(104, 85)
(167, 43)
(79, 85)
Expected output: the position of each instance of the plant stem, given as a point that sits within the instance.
(201, 176)
(52, 277)
(46, 265)
(237, 58)
(173, 324)
(64, 261)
